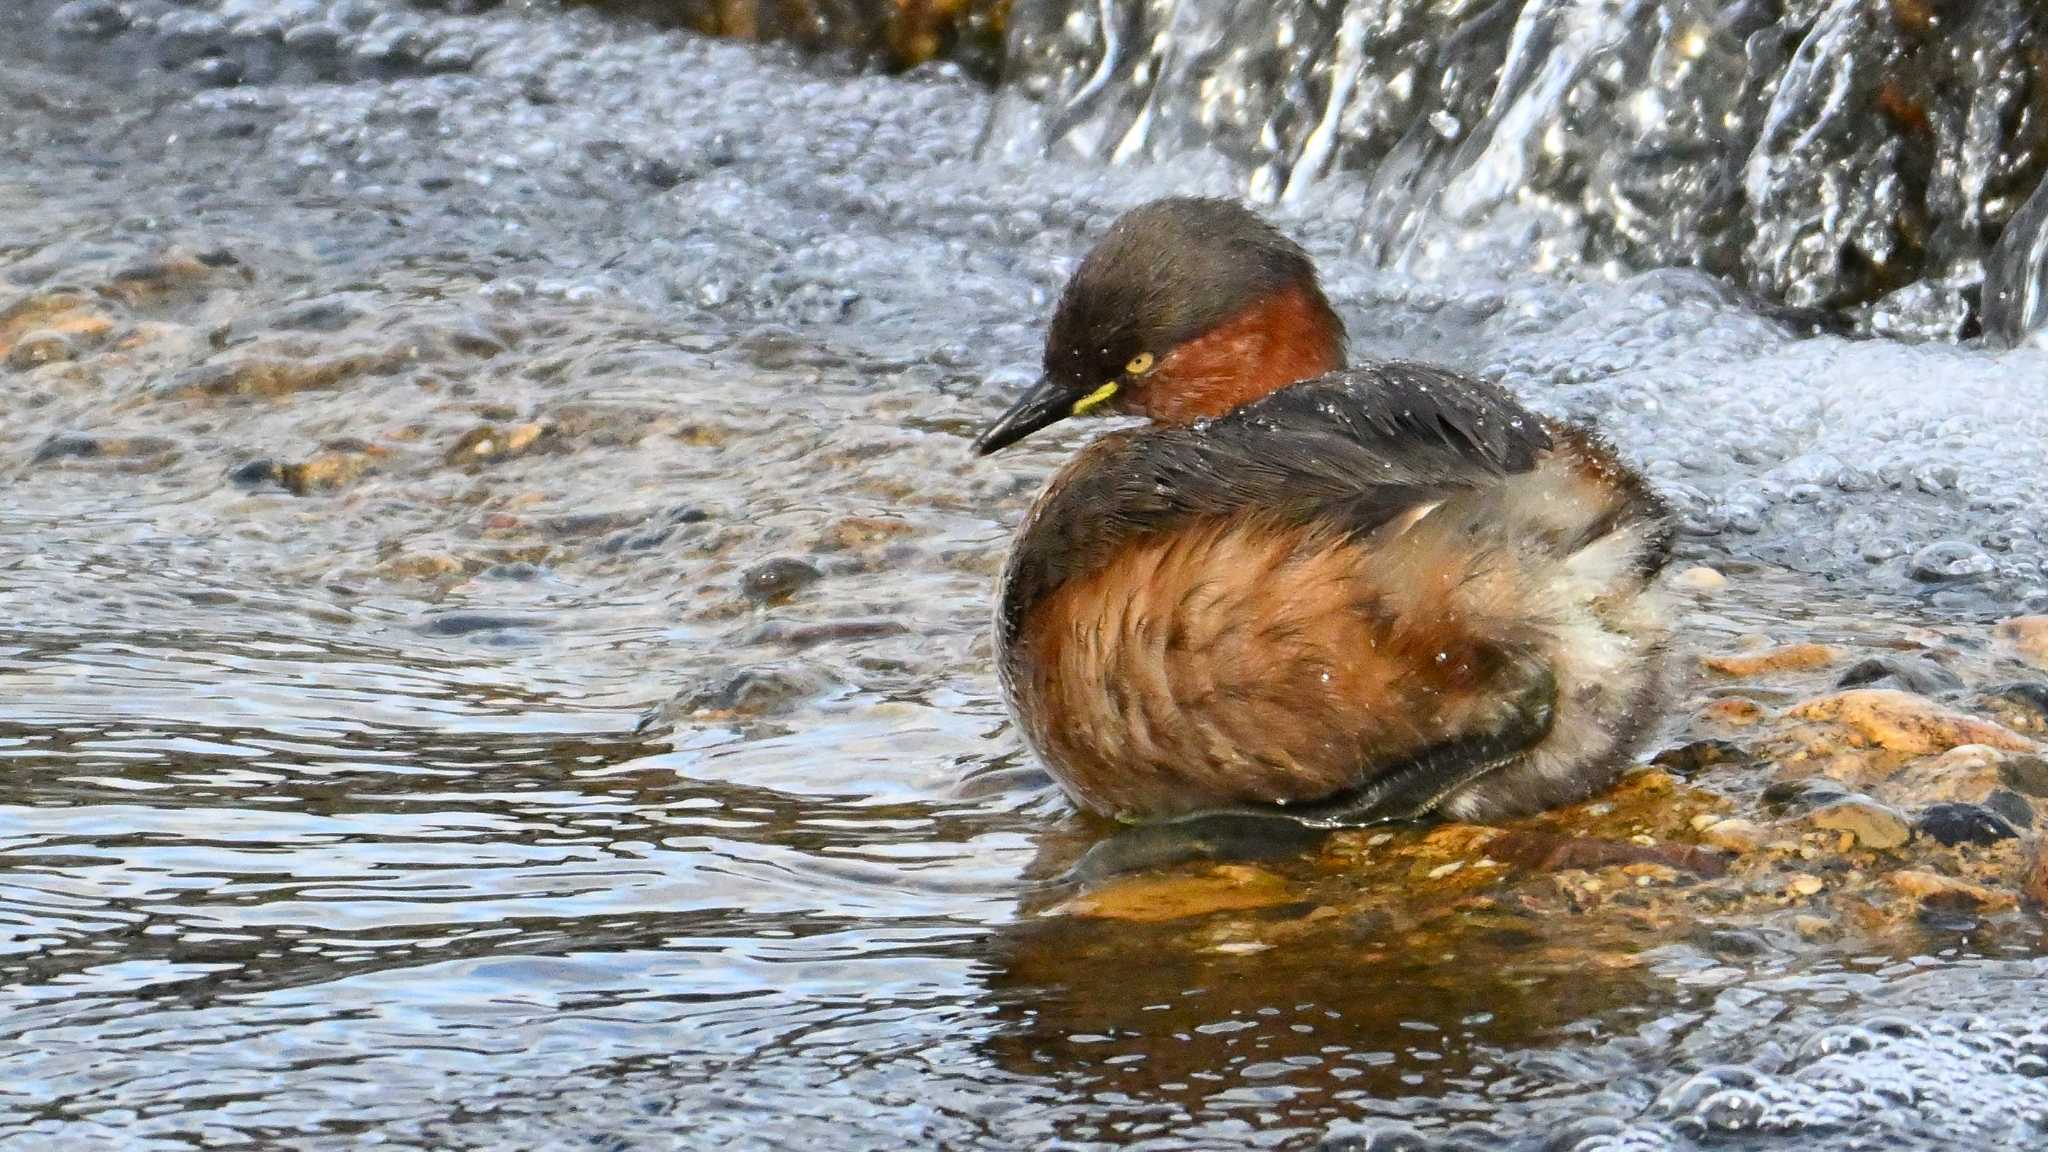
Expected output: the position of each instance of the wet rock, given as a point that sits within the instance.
(1733, 943)
(1924, 886)
(1734, 711)
(1874, 825)
(251, 473)
(337, 465)
(90, 18)
(41, 347)
(1954, 824)
(777, 579)
(217, 71)
(1907, 673)
(856, 533)
(1901, 722)
(2022, 707)
(174, 275)
(491, 442)
(270, 376)
(45, 316)
(2027, 774)
(1785, 658)
(746, 692)
(1967, 773)
(1156, 899)
(1689, 760)
(1804, 794)
(1699, 578)
(1950, 562)
(809, 635)
(81, 446)
(1549, 852)
(2016, 809)
(1735, 835)
(2035, 881)
(423, 566)
(2026, 637)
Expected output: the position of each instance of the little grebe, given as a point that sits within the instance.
(1360, 594)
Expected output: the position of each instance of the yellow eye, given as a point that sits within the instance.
(1139, 364)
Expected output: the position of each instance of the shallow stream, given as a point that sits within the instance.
(496, 649)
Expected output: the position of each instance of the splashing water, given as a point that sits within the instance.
(1863, 158)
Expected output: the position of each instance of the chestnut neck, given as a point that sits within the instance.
(1284, 338)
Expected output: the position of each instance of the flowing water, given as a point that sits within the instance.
(496, 648)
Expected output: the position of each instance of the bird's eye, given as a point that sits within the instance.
(1139, 364)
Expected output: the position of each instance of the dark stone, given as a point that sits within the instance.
(778, 579)
(2015, 808)
(518, 570)
(2022, 705)
(471, 623)
(218, 72)
(39, 348)
(1689, 760)
(67, 446)
(1799, 795)
(2024, 773)
(747, 692)
(1953, 824)
(1915, 674)
(1732, 943)
(261, 470)
(316, 39)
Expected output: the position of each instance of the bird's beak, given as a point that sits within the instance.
(1047, 402)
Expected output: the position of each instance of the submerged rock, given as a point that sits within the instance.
(2026, 637)
(1786, 658)
(1874, 825)
(1902, 722)
(1953, 824)
(778, 579)
(1950, 561)
(1908, 673)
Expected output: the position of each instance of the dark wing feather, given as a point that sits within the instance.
(1354, 449)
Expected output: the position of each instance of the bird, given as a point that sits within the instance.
(1351, 595)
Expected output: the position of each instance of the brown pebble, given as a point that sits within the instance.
(1967, 773)
(2035, 882)
(1736, 711)
(1549, 852)
(1699, 578)
(1902, 722)
(1813, 927)
(327, 471)
(1735, 835)
(275, 376)
(1785, 658)
(856, 532)
(1923, 885)
(1155, 899)
(1874, 825)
